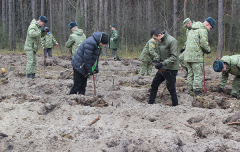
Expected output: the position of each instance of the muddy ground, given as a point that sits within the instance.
(39, 115)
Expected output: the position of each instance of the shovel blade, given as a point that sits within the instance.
(205, 90)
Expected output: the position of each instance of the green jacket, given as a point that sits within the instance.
(197, 43)
(33, 36)
(168, 52)
(114, 40)
(149, 51)
(188, 29)
(75, 40)
(49, 40)
(233, 67)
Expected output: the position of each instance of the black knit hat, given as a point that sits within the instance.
(104, 38)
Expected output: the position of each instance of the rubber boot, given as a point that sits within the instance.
(196, 93)
(118, 59)
(29, 76)
(33, 76)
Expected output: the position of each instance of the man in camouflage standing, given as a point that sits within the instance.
(31, 44)
(114, 42)
(196, 45)
(148, 54)
(229, 64)
(48, 39)
(188, 24)
(76, 38)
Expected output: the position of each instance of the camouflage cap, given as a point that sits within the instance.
(187, 20)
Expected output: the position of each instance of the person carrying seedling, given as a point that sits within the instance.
(85, 61)
(149, 52)
(229, 65)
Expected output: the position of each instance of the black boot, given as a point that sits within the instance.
(29, 76)
(33, 76)
(196, 93)
(118, 59)
(186, 74)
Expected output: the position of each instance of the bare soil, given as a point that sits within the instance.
(39, 115)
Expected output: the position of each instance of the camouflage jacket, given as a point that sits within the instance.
(75, 40)
(188, 29)
(49, 40)
(33, 36)
(149, 51)
(197, 43)
(114, 40)
(233, 67)
(168, 52)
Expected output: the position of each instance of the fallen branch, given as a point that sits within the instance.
(94, 121)
(234, 123)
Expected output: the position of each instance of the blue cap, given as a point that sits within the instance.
(218, 66)
(72, 24)
(43, 19)
(211, 21)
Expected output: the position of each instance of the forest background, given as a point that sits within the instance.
(134, 19)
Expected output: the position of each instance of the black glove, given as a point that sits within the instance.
(154, 61)
(182, 50)
(88, 75)
(42, 30)
(95, 71)
(208, 52)
(220, 90)
(158, 66)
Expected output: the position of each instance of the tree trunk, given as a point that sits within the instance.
(86, 15)
(64, 21)
(42, 7)
(100, 18)
(220, 29)
(230, 30)
(4, 22)
(33, 9)
(10, 5)
(139, 21)
(112, 11)
(118, 12)
(175, 3)
(149, 10)
(206, 9)
(51, 18)
(77, 16)
(185, 9)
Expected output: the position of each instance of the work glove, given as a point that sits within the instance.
(182, 50)
(42, 30)
(95, 71)
(158, 66)
(111, 39)
(208, 52)
(88, 75)
(220, 90)
(154, 61)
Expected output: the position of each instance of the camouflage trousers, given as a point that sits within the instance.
(195, 75)
(146, 67)
(31, 62)
(181, 61)
(236, 85)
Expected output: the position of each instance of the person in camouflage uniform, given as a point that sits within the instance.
(114, 42)
(196, 45)
(147, 55)
(229, 64)
(31, 44)
(76, 38)
(188, 24)
(166, 63)
(49, 39)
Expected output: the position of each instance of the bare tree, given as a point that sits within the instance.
(100, 18)
(220, 29)
(185, 9)
(230, 30)
(51, 17)
(206, 9)
(33, 9)
(118, 12)
(86, 15)
(4, 21)
(42, 7)
(175, 3)
(64, 20)
(10, 5)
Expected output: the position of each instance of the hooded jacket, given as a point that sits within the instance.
(233, 67)
(33, 36)
(75, 40)
(197, 43)
(87, 55)
(49, 40)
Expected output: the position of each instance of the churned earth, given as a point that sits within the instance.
(39, 115)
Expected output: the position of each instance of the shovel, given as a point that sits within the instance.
(204, 85)
(94, 83)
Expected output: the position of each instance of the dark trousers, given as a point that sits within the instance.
(79, 83)
(49, 52)
(170, 76)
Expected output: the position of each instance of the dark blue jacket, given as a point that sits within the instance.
(87, 54)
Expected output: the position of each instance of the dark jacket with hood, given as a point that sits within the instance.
(87, 54)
